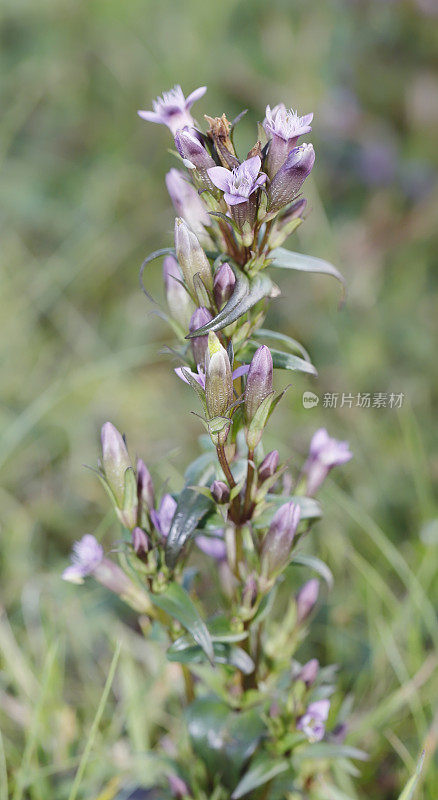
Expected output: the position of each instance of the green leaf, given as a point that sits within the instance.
(325, 750)
(191, 508)
(223, 740)
(185, 652)
(165, 251)
(408, 791)
(310, 508)
(292, 344)
(286, 259)
(304, 560)
(280, 360)
(178, 604)
(262, 771)
(220, 630)
(247, 292)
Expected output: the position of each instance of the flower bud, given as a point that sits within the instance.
(178, 787)
(115, 460)
(306, 599)
(223, 284)
(191, 149)
(187, 202)
(277, 544)
(145, 486)
(220, 492)
(199, 344)
(309, 672)
(180, 304)
(268, 466)
(191, 256)
(259, 381)
(218, 380)
(290, 177)
(140, 542)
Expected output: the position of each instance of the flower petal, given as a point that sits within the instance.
(195, 95)
(151, 116)
(220, 177)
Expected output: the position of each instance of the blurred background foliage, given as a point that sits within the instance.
(83, 202)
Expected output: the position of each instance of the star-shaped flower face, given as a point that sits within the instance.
(238, 184)
(173, 109)
(285, 123)
(312, 723)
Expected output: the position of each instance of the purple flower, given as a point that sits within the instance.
(145, 486)
(223, 284)
(283, 127)
(238, 184)
(306, 599)
(178, 787)
(220, 492)
(213, 546)
(286, 123)
(287, 182)
(140, 542)
(192, 150)
(277, 543)
(325, 453)
(312, 723)
(199, 344)
(162, 518)
(268, 466)
(259, 381)
(309, 672)
(86, 557)
(187, 202)
(173, 109)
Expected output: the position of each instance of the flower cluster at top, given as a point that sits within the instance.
(248, 206)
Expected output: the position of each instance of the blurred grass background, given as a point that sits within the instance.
(83, 202)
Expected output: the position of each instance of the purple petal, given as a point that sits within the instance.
(151, 116)
(253, 165)
(234, 199)
(220, 177)
(240, 371)
(199, 377)
(195, 95)
(212, 546)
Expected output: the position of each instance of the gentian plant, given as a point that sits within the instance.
(214, 567)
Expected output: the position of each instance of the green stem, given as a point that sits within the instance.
(249, 480)
(225, 465)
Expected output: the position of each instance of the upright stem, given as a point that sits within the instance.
(249, 480)
(225, 465)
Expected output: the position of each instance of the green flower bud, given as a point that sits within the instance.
(191, 256)
(218, 380)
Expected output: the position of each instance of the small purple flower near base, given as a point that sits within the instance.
(173, 109)
(162, 518)
(306, 599)
(312, 723)
(178, 787)
(86, 557)
(324, 454)
(213, 546)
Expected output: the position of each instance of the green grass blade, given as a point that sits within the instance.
(95, 726)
